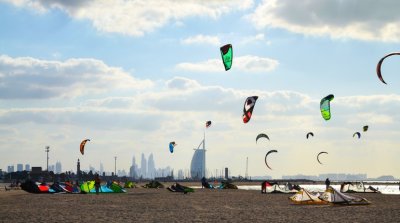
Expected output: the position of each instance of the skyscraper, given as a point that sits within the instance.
(143, 167)
(27, 167)
(101, 168)
(151, 168)
(133, 170)
(20, 167)
(58, 167)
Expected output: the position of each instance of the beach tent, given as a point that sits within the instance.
(305, 197)
(357, 187)
(335, 197)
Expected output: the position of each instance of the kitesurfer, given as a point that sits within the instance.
(327, 183)
(264, 187)
(203, 182)
(97, 182)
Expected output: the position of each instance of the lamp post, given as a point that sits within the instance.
(47, 150)
(115, 166)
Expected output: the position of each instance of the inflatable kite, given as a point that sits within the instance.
(320, 154)
(261, 135)
(82, 146)
(208, 124)
(326, 107)
(172, 146)
(227, 54)
(310, 134)
(378, 66)
(365, 128)
(269, 152)
(248, 108)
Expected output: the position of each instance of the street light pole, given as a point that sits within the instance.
(47, 150)
(115, 166)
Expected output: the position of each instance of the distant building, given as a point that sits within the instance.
(58, 167)
(101, 168)
(10, 169)
(198, 164)
(151, 168)
(143, 166)
(180, 175)
(27, 167)
(20, 167)
(37, 170)
(133, 170)
(51, 168)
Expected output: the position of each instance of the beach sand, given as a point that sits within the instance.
(160, 205)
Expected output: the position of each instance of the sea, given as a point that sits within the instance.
(382, 187)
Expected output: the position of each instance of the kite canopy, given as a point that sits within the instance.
(208, 124)
(365, 128)
(356, 187)
(269, 152)
(378, 66)
(172, 146)
(358, 134)
(310, 134)
(82, 146)
(248, 108)
(320, 154)
(326, 107)
(306, 197)
(261, 135)
(227, 56)
(335, 197)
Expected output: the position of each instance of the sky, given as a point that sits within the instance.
(133, 76)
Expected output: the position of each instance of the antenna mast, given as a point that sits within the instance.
(247, 168)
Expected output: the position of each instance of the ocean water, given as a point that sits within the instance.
(384, 189)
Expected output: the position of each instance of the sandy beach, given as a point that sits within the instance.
(160, 205)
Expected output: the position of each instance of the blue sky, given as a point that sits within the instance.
(135, 75)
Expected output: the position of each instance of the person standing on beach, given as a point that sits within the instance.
(97, 182)
(327, 183)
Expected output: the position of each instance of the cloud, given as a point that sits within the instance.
(135, 18)
(202, 39)
(27, 77)
(364, 20)
(148, 120)
(252, 39)
(246, 63)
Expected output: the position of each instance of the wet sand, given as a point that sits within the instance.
(160, 205)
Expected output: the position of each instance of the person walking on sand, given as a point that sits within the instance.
(97, 182)
(327, 183)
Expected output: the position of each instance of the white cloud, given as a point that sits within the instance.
(356, 19)
(27, 77)
(202, 39)
(246, 63)
(135, 18)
